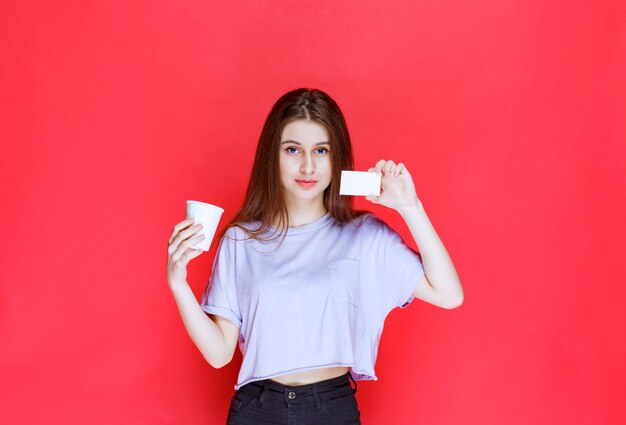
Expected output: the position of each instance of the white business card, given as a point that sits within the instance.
(360, 183)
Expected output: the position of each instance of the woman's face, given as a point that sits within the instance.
(305, 155)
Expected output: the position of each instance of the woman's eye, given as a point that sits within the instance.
(291, 149)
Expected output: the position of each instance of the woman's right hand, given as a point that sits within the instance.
(179, 252)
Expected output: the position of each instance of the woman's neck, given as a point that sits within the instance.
(300, 218)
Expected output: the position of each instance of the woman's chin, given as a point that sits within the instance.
(307, 196)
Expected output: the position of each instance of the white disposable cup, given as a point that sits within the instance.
(209, 216)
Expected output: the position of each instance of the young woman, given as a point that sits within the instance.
(301, 281)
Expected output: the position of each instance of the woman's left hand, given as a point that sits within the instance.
(397, 189)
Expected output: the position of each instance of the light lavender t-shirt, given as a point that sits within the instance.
(320, 300)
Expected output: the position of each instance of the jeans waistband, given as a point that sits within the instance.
(301, 390)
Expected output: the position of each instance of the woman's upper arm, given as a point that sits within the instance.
(231, 335)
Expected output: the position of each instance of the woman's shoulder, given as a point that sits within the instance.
(372, 226)
(368, 223)
(242, 231)
(236, 232)
(367, 219)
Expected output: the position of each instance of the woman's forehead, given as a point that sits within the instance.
(305, 132)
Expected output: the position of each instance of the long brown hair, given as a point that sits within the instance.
(264, 197)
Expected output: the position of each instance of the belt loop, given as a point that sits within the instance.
(318, 403)
(352, 379)
(263, 391)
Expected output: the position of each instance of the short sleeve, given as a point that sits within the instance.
(220, 295)
(401, 267)
(404, 265)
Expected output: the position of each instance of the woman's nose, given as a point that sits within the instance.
(307, 163)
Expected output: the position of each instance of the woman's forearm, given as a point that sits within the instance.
(203, 331)
(437, 263)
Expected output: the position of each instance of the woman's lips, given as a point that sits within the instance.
(305, 183)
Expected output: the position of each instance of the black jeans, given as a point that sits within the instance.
(330, 401)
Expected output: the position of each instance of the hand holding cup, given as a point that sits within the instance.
(190, 238)
(180, 251)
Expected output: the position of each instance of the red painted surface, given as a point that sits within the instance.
(509, 116)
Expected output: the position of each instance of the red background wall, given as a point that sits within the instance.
(509, 115)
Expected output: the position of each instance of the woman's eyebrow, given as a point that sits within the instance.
(298, 143)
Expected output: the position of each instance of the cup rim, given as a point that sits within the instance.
(205, 203)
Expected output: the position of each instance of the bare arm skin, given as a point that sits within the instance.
(215, 337)
(204, 332)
